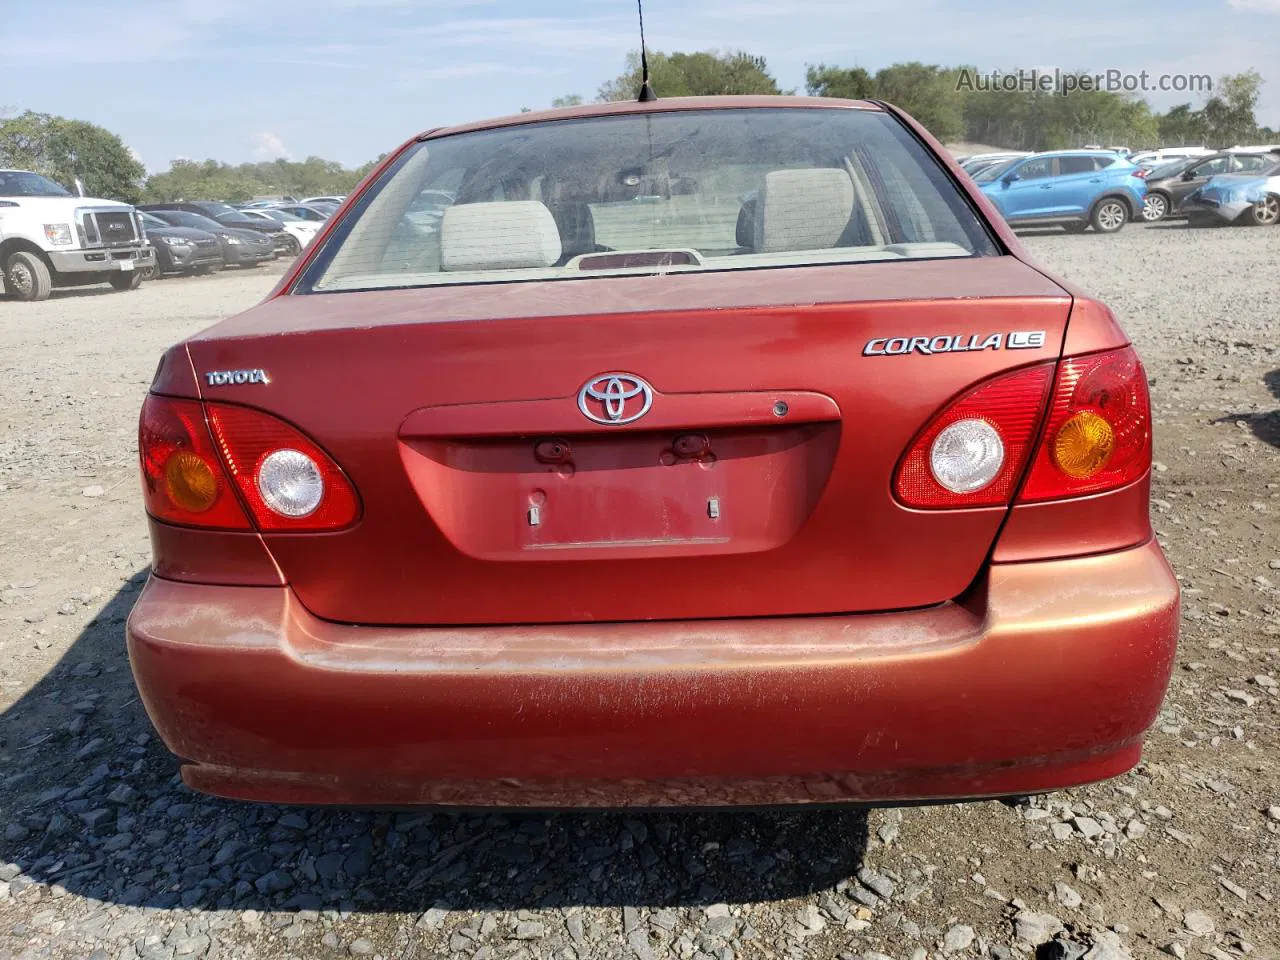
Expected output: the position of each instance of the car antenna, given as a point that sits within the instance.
(647, 94)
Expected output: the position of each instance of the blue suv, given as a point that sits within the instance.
(1075, 188)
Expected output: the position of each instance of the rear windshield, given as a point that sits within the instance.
(653, 193)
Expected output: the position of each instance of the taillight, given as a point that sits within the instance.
(973, 452)
(183, 480)
(1098, 435)
(196, 456)
(287, 481)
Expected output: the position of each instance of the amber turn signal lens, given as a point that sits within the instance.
(190, 481)
(1083, 445)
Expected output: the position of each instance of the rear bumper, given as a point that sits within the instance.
(1047, 677)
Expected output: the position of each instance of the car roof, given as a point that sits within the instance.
(1074, 153)
(669, 105)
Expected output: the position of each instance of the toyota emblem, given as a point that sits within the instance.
(615, 398)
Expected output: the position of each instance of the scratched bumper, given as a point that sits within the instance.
(1046, 677)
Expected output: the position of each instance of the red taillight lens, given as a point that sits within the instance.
(183, 481)
(287, 481)
(1011, 405)
(1099, 432)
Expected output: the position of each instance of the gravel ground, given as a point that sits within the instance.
(105, 854)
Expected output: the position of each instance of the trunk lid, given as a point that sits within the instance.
(757, 482)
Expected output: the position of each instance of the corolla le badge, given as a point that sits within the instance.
(615, 398)
(959, 343)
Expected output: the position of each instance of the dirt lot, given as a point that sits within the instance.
(105, 855)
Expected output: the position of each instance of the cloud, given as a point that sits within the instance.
(1257, 6)
(268, 146)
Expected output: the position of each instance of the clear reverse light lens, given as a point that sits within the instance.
(966, 456)
(290, 483)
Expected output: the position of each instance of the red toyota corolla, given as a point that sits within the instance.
(707, 451)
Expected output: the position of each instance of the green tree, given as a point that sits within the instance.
(1181, 126)
(1055, 122)
(1229, 115)
(694, 75)
(928, 92)
(571, 100)
(849, 83)
(211, 180)
(65, 150)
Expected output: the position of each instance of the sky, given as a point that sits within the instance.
(347, 80)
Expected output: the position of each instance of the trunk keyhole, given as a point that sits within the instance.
(552, 451)
(691, 446)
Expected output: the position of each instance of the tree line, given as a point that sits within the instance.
(955, 110)
(69, 150)
(938, 96)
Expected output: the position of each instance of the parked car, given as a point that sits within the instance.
(981, 161)
(1074, 188)
(229, 216)
(487, 528)
(181, 249)
(50, 238)
(263, 202)
(302, 231)
(336, 201)
(239, 248)
(1251, 197)
(428, 209)
(1153, 158)
(304, 212)
(1168, 187)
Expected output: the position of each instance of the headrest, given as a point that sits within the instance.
(506, 235)
(745, 233)
(802, 209)
(576, 225)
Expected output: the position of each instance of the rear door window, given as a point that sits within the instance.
(659, 192)
(1069, 165)
(1250, 162)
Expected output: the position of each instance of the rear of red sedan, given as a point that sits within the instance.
(691, 452)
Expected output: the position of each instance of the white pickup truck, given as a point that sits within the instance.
(50, 238)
